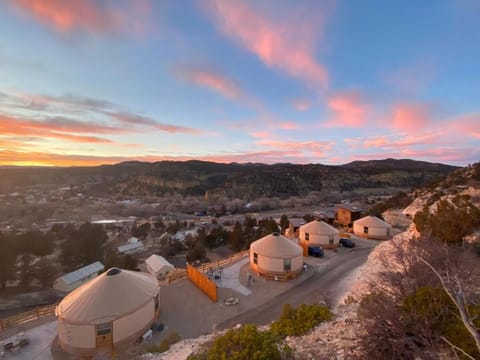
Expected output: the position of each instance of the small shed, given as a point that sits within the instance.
(275, 256)
(372, 227)
(131, 248)
(74, 279)
(319, 233)
(347, 214)
(117, 307)
(158, 266)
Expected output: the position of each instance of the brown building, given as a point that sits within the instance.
(347, 214)
(293, 227)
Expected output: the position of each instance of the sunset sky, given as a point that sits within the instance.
(92, 82)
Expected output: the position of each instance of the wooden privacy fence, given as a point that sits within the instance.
(27, 316)
(202, 282)
(182, 273)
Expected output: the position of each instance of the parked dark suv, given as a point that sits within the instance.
(315, 251)
(347, 243)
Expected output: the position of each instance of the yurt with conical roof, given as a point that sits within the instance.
(275, 256)
(372, 227)
(116, 307)
(319, 233)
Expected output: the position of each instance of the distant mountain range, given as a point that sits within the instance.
(249, 180)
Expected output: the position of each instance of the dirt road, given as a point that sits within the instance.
(328, 283)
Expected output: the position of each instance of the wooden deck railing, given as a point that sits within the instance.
(182, 273)
(27, 316)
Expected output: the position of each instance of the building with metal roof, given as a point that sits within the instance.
(115, 308)
(74, 279)
(131, 248)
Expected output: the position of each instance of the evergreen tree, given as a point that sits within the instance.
(7, 260)
(26, 271)
(284, 223)
(45, 272)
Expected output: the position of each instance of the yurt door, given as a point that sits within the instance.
(104, 335)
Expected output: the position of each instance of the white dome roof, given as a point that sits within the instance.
(111, 295)
(318, 227)
(372, 221)
(276, 245)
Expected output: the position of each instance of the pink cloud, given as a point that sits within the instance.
(348, 110)
(261, 134)
(411, 117)
(286, 45)
(301, 104)
(210, 79)
(317, 148)
(93, 16)
(467, 125)
(403, 141)
(376, 142)
(288, 125)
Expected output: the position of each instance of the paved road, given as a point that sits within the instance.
(326, 283)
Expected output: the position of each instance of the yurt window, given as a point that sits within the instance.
(388, 231)
(255, 258)
(365, 229)
(287, 264)
(330, 239)
(104, 329)
(307, 236)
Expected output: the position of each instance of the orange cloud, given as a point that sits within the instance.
(210, 79)
(287, 46)
(93, 16)
(411, 117)
(12, 126)
(348, 110)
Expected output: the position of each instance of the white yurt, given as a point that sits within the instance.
(276, 256)
(372, 227)
(114, 308)
(319, 233)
